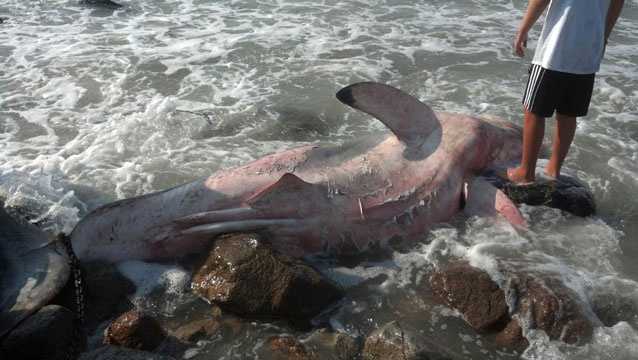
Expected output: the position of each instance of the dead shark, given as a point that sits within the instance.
(317, 198)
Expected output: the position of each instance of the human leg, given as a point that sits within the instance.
(533, 132)
(574, 103)
(538, 103)
(564, 131)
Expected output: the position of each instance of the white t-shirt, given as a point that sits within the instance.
(573, 36)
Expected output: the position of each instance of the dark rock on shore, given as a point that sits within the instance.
(551, 306)
(243, 275)
(106, 293)
(207, 326)
(320, 344)
(47, 334)
(330, 345)
(389, 342)
(473, 293)
(512, 336)
(134, 330)
(565, 193)
(120, 353)
(289, 348)
(347, 347)
(545, 304)
(392, 341)
(198, 330)
(103, 305)
(612, 309)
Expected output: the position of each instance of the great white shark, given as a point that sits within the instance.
(317, 198)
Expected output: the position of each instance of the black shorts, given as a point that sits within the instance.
(549, 90)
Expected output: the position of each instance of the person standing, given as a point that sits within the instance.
(561, 77)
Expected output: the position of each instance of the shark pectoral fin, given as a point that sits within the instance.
(289, 195)
(484, 199)
(408, 118)
(508, 209)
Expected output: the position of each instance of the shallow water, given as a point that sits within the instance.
(97, 105)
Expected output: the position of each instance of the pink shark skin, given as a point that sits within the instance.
(316, 198)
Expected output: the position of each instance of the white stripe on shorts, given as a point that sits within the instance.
(538, 86)
(533, 85)
(530, 84)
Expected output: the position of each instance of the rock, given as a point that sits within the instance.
(198, 330)
(389, 342)
(551, 306)
(612, 308)
(544, 304)
(3, 19)
(473, 293)
(233, 326)
(106, 293)
(207, 326)
(512, 337)
(565, 193)
(289, 348)
(392, 342)
(244, 276)
(47, 334)
(134, 330)
(119, 353)
(347, 347)
(331, 345)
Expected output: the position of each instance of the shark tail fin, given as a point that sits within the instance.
(409, 119)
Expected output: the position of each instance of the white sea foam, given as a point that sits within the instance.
(617, 342)
(149, 276)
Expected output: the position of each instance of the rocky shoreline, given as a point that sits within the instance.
(242, 280)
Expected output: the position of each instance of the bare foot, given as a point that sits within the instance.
(519, 176)
(551, 173)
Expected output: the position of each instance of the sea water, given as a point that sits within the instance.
(101, 104)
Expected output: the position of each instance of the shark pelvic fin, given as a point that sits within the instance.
(409, 119)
